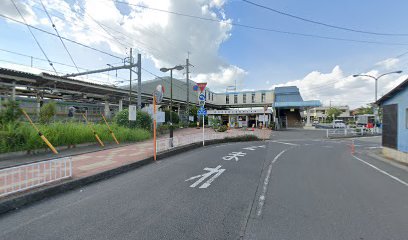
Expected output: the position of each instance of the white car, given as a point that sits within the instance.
(339, 124)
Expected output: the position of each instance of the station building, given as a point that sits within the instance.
(281, 106)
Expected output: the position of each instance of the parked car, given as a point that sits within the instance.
(339, 124)
(315, 122)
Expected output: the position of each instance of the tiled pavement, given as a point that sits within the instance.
(88, 164)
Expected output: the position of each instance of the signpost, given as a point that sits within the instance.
(201, 98)
(157, 98)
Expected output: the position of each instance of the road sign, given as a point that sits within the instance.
(201, 97)
(202, 86)
(160, 117)
(214, 172)
(195, 88)
(132, 112)
(202, 112)
(201, 103)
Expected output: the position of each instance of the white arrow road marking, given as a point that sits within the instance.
(202, 177)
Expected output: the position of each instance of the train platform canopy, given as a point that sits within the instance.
(289, 97)
(57, 87)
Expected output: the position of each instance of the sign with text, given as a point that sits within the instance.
(202, 86)
(132, 112)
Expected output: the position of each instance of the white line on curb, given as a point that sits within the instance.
(266, 182)
(382, 171)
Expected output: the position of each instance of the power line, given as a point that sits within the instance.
(53, 34)
(32, 34)
(260, 28)
(322, 23)
(55, 62)
(59, 36)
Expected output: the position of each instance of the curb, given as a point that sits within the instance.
(41, 193)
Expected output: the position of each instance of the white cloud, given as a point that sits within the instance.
(7, 8)
(388, 63)
(162, 37)
(343, 89)
(226, 76)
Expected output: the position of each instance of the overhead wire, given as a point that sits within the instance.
(32, 34)
(322, 23)
(59, 36)
(53, 34)
(261, 28)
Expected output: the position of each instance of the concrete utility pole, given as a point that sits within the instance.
(139, 81)
(130, 76)
(188, 90)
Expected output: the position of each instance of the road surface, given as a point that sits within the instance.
(295, 186)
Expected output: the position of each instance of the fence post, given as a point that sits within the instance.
(327, 133)
(345, 132)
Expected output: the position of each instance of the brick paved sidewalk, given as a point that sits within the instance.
(89, 164)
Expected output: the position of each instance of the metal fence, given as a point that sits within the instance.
(23, 177)
(350, 132)
(166, 144)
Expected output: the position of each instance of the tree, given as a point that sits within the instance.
(364, 110)
(143, 120)
(10, 112)
(47, 112)
(333, 112)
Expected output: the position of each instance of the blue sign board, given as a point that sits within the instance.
(201, 97)
(202, 112)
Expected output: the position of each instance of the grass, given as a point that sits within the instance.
(22, 136)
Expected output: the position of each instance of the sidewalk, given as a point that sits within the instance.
(96, 161)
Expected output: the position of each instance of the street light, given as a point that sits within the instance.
(376, 79)
(376, 87)
(178, 67)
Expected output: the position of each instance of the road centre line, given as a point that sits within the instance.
(261, 201)
(382, 171)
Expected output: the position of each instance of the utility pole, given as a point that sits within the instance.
(188, 90)
(130, 77)
(139, 81)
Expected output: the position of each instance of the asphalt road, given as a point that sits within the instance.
(301, 188)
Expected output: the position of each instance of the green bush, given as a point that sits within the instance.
(23, 137)
(174, 115)
(10, 112)
(47, 112)
(143, 120)
(222, 128)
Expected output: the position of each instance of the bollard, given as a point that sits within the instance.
(352, 147)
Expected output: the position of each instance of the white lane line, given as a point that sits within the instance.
(209, 181)
(265, 184)
(382, 171)
(291, 144)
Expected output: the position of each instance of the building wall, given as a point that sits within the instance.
(220, 98)
(402, 100)
(321, 112)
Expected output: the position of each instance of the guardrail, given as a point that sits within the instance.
(349, 132)
(168, 143)
(23, 177)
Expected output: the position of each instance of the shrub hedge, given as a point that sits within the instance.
(21, 136)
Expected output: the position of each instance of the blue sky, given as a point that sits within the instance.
(221, 53)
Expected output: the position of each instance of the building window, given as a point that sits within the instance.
(235, 98)
(227, 99)
(406, 118)
(212, 96)
(263, 97)
(244, 98)
(253, 98)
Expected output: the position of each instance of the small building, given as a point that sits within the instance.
(395, 122)
(320, 113)
(288, 107)
(242, 117)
